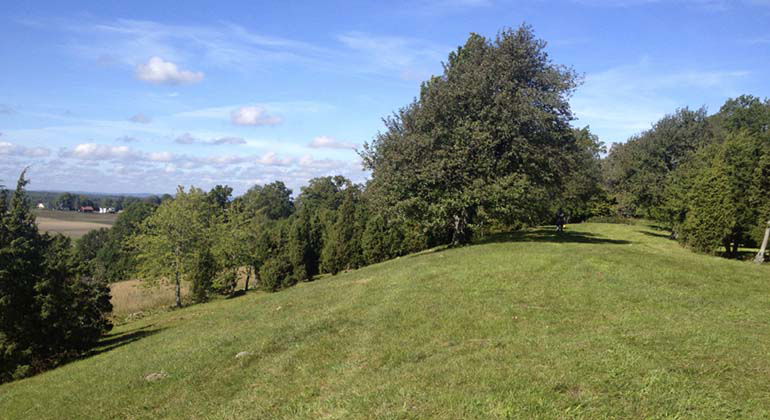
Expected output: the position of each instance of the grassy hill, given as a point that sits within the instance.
(603, 321)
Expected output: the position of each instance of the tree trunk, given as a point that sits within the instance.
(178, 291)
(760, 258)
(459, 236)
(735, 246)
(726, 243)
(248, 277)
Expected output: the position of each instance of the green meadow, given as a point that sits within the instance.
(603, 321)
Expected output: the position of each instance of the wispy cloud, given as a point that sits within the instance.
(326, 142)
(412, 59)
(624, 100)
(126, 42)
(10, 149)
(188, 138)
(253, 116)
(7, 109)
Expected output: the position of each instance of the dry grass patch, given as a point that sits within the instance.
(132, 300)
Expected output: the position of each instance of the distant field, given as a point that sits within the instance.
(71, 223)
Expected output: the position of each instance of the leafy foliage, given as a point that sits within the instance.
(488, 140)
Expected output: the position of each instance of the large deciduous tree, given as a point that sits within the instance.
(174, 239)
(487, 139)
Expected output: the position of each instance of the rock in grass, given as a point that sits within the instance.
(243, 354)
(156, 376)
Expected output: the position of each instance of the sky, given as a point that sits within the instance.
(143, 96)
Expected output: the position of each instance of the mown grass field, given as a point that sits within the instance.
(605, 321)
(71, 223)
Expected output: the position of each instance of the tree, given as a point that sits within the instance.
(203, 275)
(115, 259)
(638, 172)
(342, 245)
(382, 239)
(50, 310)
(722, 208)
(304, 245)
(65, 201)
(273, 200)
(323, 193)
(89, 246)
(277, 271)
(220, 196)
(487, 140)
(583, 195)
(173, 237)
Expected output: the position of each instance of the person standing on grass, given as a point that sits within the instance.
(560, 221)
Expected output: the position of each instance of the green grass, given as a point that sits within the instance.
(606, 321)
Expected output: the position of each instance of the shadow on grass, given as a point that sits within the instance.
(656, 235)
(113, 341)
(551, 235)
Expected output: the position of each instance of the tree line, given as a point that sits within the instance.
(707, 178)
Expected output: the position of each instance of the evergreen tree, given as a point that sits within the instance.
(203, 275)
(342, 244)
(49, 309)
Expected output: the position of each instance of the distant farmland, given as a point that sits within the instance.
(72, 224)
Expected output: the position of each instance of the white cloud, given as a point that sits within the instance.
(140, 119)
(93, 151)
(254, 116)
(7, 109)
(122, 169)
(326, 142)
(159, 71)
(271, 159)
(10, 149)
(161, 156)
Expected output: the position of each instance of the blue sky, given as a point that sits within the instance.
(142, 96)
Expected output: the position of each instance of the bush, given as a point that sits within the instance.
(276, 273)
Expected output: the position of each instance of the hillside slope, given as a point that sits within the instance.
(604, 321)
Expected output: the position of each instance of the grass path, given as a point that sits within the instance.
(605, 321)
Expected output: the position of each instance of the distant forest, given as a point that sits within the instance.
(69, 201)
